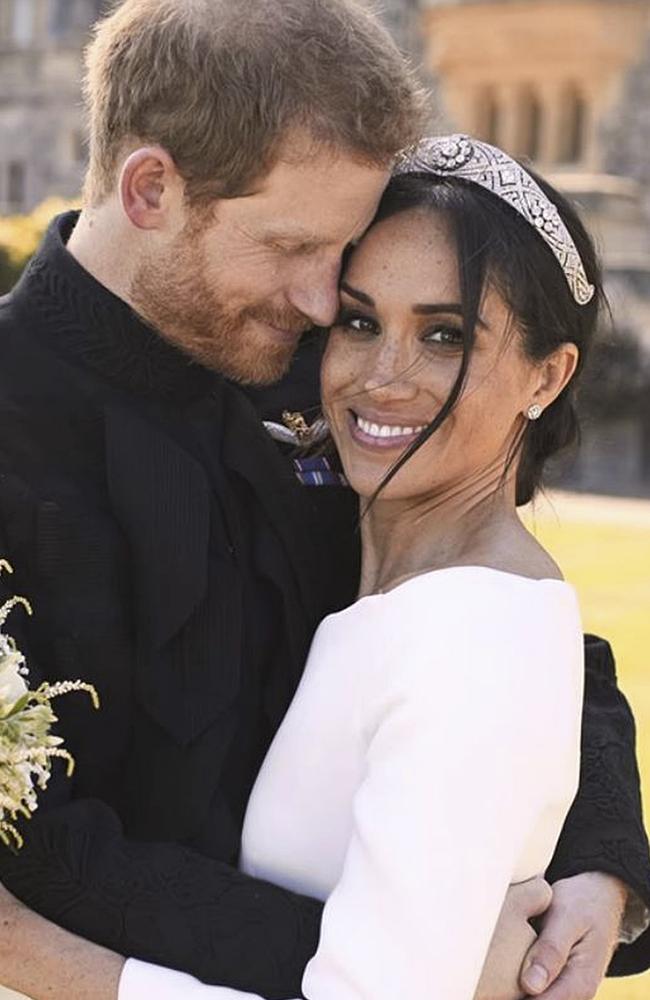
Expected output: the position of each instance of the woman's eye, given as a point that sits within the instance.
(356, 323)
(448, 336)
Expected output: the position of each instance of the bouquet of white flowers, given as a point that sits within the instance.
(27, 746)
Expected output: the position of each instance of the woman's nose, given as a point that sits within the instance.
(397, 386)
(392, 370)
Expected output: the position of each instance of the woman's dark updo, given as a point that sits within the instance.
(497, 245)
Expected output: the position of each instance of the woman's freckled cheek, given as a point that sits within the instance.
(339, 375)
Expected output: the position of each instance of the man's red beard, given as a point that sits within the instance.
(173, 295)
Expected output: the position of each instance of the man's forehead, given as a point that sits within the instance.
(319, 224)
(290, 229)
(307, 203)
(323, 181)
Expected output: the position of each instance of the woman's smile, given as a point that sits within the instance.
(372, 430)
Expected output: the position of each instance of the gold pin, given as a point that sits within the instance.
(297, 424)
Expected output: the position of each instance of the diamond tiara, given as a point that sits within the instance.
(491, 168)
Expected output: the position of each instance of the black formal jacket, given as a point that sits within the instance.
(174, 561)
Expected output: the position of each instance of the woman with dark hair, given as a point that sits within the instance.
(415, 761)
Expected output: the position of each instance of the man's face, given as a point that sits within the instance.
(237, 287)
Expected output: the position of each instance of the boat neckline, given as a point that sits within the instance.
(461, 568)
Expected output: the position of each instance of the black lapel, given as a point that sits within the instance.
(250, 451)
(187, 586)
(160, 496)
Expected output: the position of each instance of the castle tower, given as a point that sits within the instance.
(535, 76)
(541, 78)
(565, 85)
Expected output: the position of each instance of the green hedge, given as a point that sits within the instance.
(20, 235)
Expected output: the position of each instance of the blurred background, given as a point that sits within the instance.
(564, 84)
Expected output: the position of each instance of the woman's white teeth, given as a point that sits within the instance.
(386, 430)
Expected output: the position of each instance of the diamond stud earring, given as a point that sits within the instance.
(534, 412)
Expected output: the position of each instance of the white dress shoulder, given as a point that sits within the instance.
(428, 761)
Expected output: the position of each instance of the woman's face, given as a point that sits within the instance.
(393, 357)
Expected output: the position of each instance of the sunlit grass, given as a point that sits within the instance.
(604, 549)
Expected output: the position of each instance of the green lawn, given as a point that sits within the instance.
(604, 549)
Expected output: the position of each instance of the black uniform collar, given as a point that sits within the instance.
(90, 325)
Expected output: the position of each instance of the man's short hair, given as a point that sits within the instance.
(220, 83)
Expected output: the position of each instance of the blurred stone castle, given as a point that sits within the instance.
(564, 83)
(42, 148)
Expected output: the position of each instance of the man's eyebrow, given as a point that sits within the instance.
(356, 294)
(297, 238)
(299, 235)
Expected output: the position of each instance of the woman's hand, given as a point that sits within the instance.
(512, 940)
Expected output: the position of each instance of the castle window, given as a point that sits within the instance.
(16, 185)
(22, 22)
(574, 120)
(489, 117)
(60, 17)
(530, 125)
(67, 17)
(78, 146)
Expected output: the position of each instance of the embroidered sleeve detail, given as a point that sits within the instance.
(604, 830)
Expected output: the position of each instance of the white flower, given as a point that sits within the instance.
(27, 746)
(12, 684)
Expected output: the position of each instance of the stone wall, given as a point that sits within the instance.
(41, 130)
(42, 148)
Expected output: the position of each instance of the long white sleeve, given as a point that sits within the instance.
(459, 780)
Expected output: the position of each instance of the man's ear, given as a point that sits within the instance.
(148, 183)
(555, 373)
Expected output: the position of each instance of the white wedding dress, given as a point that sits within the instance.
(428, 760)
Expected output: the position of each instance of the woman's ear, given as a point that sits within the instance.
(149, 187)
(555, 373)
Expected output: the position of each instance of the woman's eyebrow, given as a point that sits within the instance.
(432, 308)
(424, 308)
(421, 309)
(356, 294)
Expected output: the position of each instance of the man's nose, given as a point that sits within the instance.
(315, 293)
